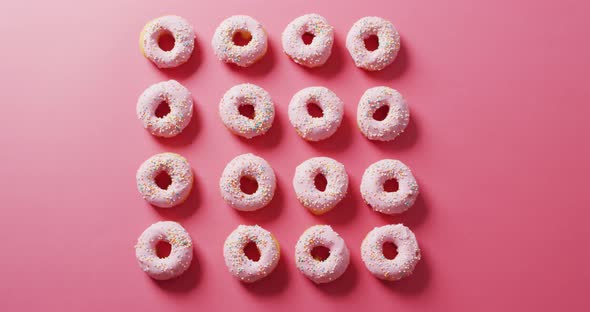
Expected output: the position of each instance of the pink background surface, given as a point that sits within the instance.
(498, 141)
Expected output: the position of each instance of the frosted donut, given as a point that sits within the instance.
(239, 264)
(320, 202)
(184, 41)
(181, 253)
(408, 252)
(247, 27)
(252, 167)
(374, 193)
(247, 94)
(180, 174)
(389, 43)
(318, 51)
(178, 99)
(316, 128)
(396, 120)
(317, 270)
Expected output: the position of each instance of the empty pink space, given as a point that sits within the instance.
(498, 141)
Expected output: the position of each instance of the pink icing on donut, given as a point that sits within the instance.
(408, 252)
(317, 270)
(396, 120)
(184, 41)
(180, 256)
(378, 198)
(317, 201)
(247, 94)
(252, 167)
(316, 128)
(227, 51)
(318, 51)
(178, 99)
(239, 265)
(180, 173)
(389, 43)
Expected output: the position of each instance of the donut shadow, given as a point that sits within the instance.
(188, 134)
(332, 66)
(267, 213)
(262, 67)
(187, 69)
(414, 284)
(187, 281)
(339, 141)
(187, 208)
(346, 209)
(393, 70)
(342, 286)
(268, 140)
(274, 284)
(404, 141)
(413, 217)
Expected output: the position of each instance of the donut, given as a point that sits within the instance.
(408, 252)
(181, 253)
(247, 27)
(385, 53)
(396, 120)
(315, 269)
(373, 191)
(180, 174)
(248, 166)
(247, 94)
(318, 201)
(316, 128)
(318, 51)
(179, 100)
(242, 267)
(184, 41)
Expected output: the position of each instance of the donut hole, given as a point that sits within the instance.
(248, 185)
(371, 43)
(307, 38)
(314, 110)
(247, 110)
(162, 110)
(163, 180)
(252, 252)
(163, 249)
(242, 38)
(320, 182)
(320, 253)
(389, 250)
(391, 186)
(166, 41)
(381, 113)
